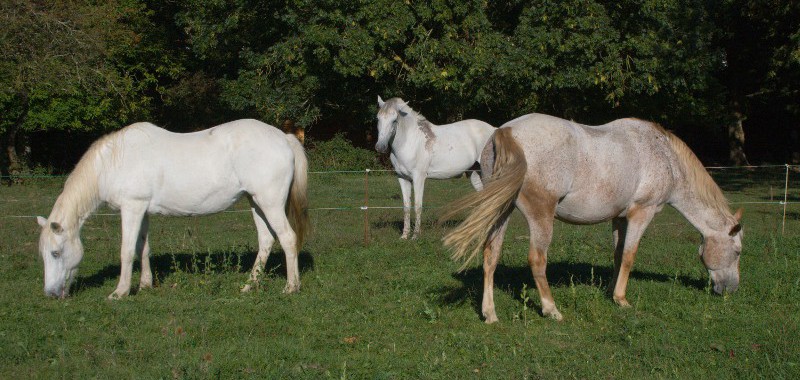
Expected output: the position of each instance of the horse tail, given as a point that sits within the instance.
(490, 206)
(297, 205)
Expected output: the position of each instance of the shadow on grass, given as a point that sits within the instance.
(559, 274)
(166, 264)
(397, 225)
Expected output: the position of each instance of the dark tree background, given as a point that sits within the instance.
(724, 75)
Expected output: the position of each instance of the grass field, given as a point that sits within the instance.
(394, 309)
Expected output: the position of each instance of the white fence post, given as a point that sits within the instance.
(785, 200)
(366, 207)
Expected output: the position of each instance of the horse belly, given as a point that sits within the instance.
(196, 196)
(189, 206)
(587, 210)
(450, 165)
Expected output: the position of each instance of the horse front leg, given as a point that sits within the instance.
(131, 216)
(405, 190)
(419, 191)
(636, 222)
(619, 227)
(146, 278)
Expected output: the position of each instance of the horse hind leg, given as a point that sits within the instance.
(475, 179)
(265, 241)
(279, 223)
(491, 255)
(540, 213)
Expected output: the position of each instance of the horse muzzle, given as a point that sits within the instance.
(381, 148)
(725, 280)
(57, 292)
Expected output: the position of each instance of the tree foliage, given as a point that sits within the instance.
(691, 65)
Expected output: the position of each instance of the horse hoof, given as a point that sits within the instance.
(115, 296)
(145, 284)
(622, 302)
(245, 288)
(291, 289)
(490, 320)
(404, 237)
(553, 314)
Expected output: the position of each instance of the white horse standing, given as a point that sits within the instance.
(421, 150)
(144, 169)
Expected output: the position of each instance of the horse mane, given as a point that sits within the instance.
(81, 194)
(425, 126)
(401, 105)
(696, 175)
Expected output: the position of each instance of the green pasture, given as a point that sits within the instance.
(392, 309)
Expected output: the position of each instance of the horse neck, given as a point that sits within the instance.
(696, 195)
(81, 195)
(408, 129)
(706, 216)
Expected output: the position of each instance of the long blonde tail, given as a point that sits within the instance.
(491, 205)
(297, 205)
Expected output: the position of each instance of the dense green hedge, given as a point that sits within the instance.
(338, 153)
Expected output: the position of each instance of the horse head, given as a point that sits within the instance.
(720, 254)
(388, 113)
(61, 251)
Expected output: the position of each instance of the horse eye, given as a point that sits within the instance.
(55, 254)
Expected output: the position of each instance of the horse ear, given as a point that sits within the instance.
(735, 229)
(380, 101)
(42, 221)
(738, 226)
(56, 228)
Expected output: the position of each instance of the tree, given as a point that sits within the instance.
(760, 40)
(57, 70)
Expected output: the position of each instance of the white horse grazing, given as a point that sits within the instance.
(144, 169)
(421, 150)
(623, 171)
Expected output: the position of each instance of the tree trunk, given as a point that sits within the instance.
(11, 164)
(736, 140)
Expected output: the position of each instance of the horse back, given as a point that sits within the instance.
(198, 172)
(596, 172)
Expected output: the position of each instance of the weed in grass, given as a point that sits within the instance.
(526, 299)
(431, 313)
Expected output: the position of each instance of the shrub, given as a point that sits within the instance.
(338, 153)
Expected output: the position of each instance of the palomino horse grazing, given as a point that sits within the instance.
(421, 150)
(623, 171)
(144, 169)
